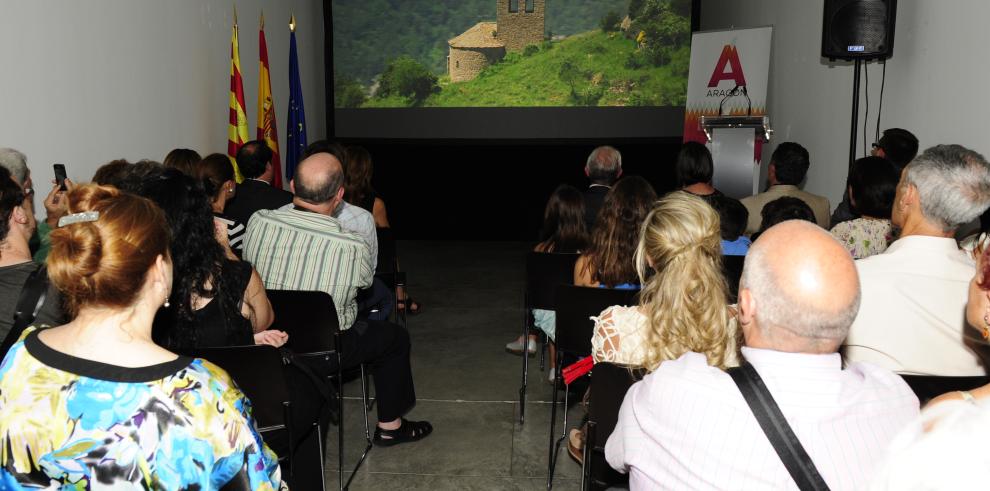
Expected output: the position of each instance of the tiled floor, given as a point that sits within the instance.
(467, 385)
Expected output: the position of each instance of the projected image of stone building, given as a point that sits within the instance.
(518, 24)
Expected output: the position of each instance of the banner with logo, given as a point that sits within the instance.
(729, 75)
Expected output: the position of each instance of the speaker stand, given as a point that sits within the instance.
(855, 112)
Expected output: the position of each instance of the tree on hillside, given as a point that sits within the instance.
(661, 30)
(610, 22)
(635, 7)
(348, 92)
(407, 77)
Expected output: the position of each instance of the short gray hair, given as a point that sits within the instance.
(15, 162)
(604, 164)
(777, 307)
(953, 184)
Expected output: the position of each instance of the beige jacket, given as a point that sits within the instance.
(818, 204)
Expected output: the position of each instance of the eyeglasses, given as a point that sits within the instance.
(875, 145)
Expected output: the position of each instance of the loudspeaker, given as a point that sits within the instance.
(858, 29)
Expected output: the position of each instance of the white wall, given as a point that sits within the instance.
(938, 81)
(83, 83)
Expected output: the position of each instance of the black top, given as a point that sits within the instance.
(709, 198)
(594, 196)
(368, 201)
(219, 323)
(99, 370)
(253, 195)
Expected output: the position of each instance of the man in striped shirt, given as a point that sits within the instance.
(305, 248)
(687, 425)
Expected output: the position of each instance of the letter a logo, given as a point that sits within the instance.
(728, 60)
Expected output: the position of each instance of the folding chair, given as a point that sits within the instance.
(387, 270)
(928, 387)
(575, 307)
(732, 267)
(609, 384)
(258, 372)
(544, 272)
(310, 320)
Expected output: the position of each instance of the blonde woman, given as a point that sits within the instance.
(683, 304)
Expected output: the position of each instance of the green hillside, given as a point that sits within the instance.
(590, 69)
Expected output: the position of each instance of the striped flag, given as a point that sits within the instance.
(237, 128)
(267, 130)
(296, 146)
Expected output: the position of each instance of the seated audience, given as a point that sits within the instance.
(375, 302)
(733, 218)
(789, 165)
(799, 293)
(256, 192)
(183, 160)
(872, 185)
(694, 170)
(781, 210)
(217, 176)
(110, 172)
(896, 145)
(603, 168)
(913, 316)
(16, 227)
(95, 402)
(305, 248)
(683, 302)
(563, 233)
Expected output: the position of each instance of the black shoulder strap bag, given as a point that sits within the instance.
(32, 297)
(775, 426)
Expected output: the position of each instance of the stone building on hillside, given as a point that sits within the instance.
(518, 23)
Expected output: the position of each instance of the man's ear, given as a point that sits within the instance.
(747, 307)
(292, 186)
(619, 174)
(340, 193)
(19, 215)
(910, 195)
(587, 173)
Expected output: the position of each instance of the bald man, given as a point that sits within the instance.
(305, 248)
(687, 425)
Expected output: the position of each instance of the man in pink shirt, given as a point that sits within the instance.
(687, 425)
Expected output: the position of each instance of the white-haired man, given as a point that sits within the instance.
(603, 168)
(914, 294)
(688, 426)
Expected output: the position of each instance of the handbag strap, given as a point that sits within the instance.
(32, 297)
(775, 426)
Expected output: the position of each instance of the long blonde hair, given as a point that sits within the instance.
(685, 301)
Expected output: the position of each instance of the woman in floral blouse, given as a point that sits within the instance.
(872, 185)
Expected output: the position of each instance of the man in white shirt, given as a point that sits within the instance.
(788, 166)
(687, 425)
(914, 294)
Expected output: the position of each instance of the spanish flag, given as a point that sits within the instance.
(267, 130)
(237, 129)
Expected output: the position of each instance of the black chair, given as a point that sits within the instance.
(609, 384)
(310, 320)
(927, 387)
(544, 272)
(732, 267)
(387, 270)
(575, 307)
(258, 372)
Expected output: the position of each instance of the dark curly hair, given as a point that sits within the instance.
(11, 196)
(197, 257)
(616, 233)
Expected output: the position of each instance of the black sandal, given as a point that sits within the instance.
(408, 431)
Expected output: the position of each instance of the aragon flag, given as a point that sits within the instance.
(237, 128)
(296, 146)
(267, 130)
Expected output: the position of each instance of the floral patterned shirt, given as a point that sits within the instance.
(864, 237)
(70, 423)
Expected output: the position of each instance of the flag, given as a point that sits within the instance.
(297, 116)
(237, 129)
(267, 130)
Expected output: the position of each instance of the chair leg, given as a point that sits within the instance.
(589, 443)
(367, 405)
(340, 412)
(525, 367)
(551, 450)
(544, 342)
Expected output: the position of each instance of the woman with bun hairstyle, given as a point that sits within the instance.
(96, 401)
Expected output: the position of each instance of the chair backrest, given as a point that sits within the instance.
(259, 374)
(308, 317)
(732, 267)
(544, 272)
(575, 307)
(927, 387)
(609, 384)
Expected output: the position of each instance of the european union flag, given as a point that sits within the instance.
(296, 146)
